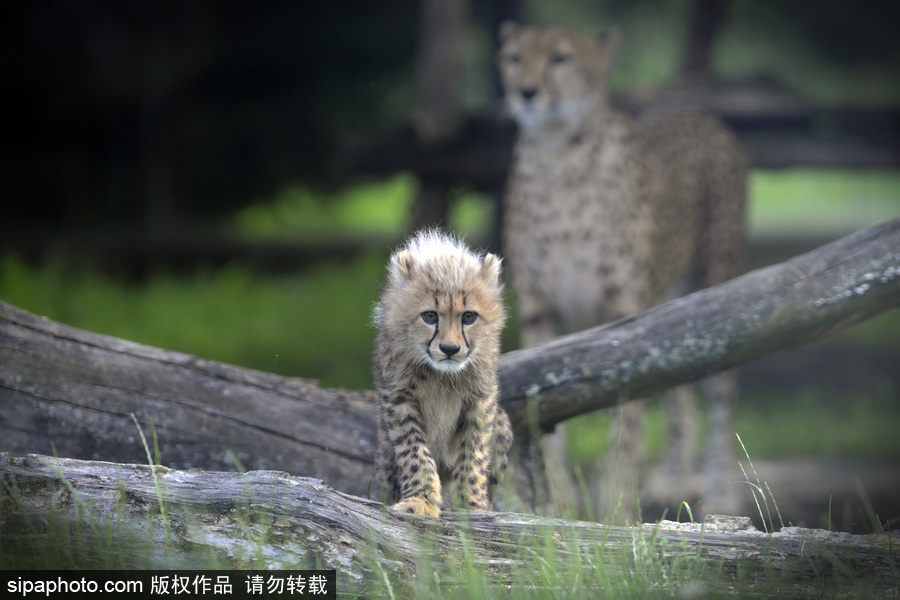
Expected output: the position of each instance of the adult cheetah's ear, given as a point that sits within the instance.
(609, 43)
(508, 29)
(402, 265)
(611, 38)
(490, 269)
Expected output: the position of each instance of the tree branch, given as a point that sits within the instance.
(797, 301)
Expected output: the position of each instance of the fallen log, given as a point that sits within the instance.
(800, 300)
(93, 514)
(69, 392)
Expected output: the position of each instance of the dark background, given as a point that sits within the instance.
(155, 117)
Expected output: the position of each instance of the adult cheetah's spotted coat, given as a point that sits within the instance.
(606, 217)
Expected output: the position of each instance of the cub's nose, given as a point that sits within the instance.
(449, 349)
(528, 93)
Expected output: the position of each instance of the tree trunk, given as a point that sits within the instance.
(707, 17)
(69, 392)
(440, 69)
(439, 112)
(126, 516)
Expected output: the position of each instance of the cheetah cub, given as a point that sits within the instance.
(435, 366)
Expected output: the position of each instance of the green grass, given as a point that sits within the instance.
(821, 202)
(378, 207)
(842, 427)
(852, 426)
(315, 325)
(373, 208)
(782, 202)
(588, 435)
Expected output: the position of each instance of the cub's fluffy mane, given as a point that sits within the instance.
(431, 243)
(431, 247)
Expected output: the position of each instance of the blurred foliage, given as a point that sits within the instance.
(854, 425)
(299, 212)
(826, 51)
(376, 207)
(817, 202)
(821, 202)
(314, 325)
(178, 110)
(156, 115)
(815, 423)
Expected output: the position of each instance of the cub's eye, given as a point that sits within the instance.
(512, 59)
(560, 58)
(430, 317)
(469, 317)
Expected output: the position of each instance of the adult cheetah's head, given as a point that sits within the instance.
(553, 77)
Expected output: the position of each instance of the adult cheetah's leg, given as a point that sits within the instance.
(539, 323)
(678, 478)
(618, 493)
(680, 458)
(726, 246)
(720, 467)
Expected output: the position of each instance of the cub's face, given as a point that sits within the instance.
(443, 308)
(552, 77)
(452, 331)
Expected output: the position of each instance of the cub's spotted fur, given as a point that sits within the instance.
(606, 217)
(435, 365)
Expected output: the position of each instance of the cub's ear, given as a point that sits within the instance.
(490, 269)
(508, 29)
(401, 265)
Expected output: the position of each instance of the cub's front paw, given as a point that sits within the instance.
(417, 506)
